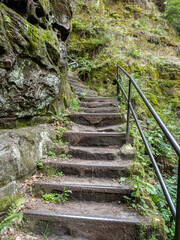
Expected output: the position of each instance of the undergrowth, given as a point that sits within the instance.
(134, 35)
(148, 194)
(56, 197)
(14, 217)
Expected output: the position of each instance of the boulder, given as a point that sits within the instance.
(20, 150)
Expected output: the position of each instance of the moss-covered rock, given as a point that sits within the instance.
(20, 150)
(8, 194)
(33, 57)
(152, 228)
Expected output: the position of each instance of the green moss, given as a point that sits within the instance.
(114, 29)
(153, 230)
(6, 201)
(45, 3)
(32, 121)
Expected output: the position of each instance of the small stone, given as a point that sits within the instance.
(127, 152)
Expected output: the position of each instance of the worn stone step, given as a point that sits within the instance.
(98, 119)
(97, 104)
(72, 77)
(88, 94)
(102, 99)
(94, 153)
(83, 89)
(114, 128)
(80, 91)
(84, 189)
(85, 220)
(76, 84)
(84, 128)
(99, 110)
(87, 168)
(126, 152)
(95, 138)
(78, 87)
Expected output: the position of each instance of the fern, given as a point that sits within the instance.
(13, 216)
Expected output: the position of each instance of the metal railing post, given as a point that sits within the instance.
(177, 231)
(128, 112)
(117, 81)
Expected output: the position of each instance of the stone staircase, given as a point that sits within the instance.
(96, 209)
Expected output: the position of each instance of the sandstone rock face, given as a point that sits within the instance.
(32, 56)
(20, 150)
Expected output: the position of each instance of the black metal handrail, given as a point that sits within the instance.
(175, 211)
(73, 62)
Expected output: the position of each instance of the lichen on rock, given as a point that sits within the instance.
(32, 56)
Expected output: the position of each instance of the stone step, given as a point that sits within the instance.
(98, 104)
(84, 189)
(87, 168)
(102, 99)
(94, 138)
(102, 153)
(72, 78)
(83, 90)
(88, 94)
(114, 128)
(81, 87)
(84, 128)
(74, 83)
(99, 110)
(78, 87)
(98, 119)
(94, 153)
(85, 220)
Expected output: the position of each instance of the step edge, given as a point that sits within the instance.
(81, 216)
(97, 133)
(96, 114)
(112, 167)
(84, 186)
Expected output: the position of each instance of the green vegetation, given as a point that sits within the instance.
(148, 194)
(46, 232)
(74, 104)
(82, 96)
(60, 174)
(134, 36)
(58, 198)
(14, 216)
(53, 171)
(64, 156)
(162, 206)
(40, 165)
(51, 154)
(172, 14)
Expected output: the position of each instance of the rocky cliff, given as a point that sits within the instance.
(33, 85)
(32, 58)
